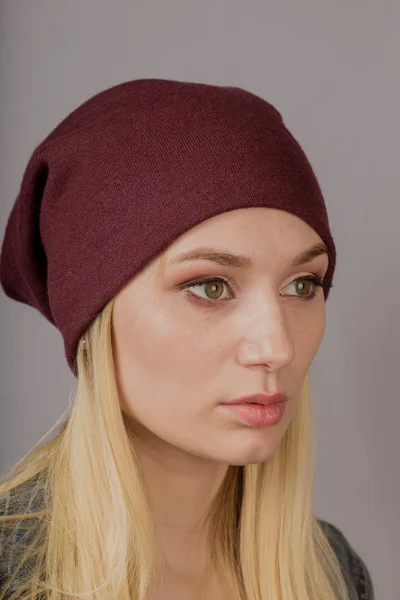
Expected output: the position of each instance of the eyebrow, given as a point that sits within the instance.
(227, 259)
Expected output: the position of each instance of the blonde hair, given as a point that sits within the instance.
(94, 535)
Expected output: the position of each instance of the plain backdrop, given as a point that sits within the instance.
(332, 69)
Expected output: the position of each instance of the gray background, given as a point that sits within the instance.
(332, 69)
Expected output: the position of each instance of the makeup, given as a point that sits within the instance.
(257, 415)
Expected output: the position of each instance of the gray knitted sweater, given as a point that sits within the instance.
(355, 572)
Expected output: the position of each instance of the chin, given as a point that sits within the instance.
(252, 453)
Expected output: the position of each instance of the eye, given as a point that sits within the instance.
(213, 287)
(303, 285)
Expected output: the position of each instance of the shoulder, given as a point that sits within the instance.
(5, 537)
(6, 501)
(13, 537)
(353, 566)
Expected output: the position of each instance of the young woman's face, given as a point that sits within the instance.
(182, 349)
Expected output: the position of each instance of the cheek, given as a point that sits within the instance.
(159, 358)
(309, 336)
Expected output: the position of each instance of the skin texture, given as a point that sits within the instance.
(177, 359)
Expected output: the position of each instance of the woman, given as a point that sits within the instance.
(176, 235)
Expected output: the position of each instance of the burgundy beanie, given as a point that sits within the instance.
(129, 171)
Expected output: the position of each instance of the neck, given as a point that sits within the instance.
(182, 489)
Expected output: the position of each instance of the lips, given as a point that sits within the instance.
(263, 399)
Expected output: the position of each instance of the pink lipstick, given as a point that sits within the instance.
(258, 410)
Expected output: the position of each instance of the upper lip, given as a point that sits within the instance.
(259, 399)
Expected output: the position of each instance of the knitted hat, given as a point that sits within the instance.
(129, 171)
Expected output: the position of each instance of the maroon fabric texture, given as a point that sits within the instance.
(129, 171)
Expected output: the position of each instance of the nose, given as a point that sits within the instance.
(267, 340)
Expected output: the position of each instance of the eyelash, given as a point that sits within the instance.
(318, 282)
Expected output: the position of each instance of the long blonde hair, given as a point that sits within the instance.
(92, 535)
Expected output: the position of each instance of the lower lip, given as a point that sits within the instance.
(259, 415)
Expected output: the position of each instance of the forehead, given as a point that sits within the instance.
(233, 237)
(229, 259)
(259, 223)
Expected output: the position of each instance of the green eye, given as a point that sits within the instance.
(305, 287)
(215, 286)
